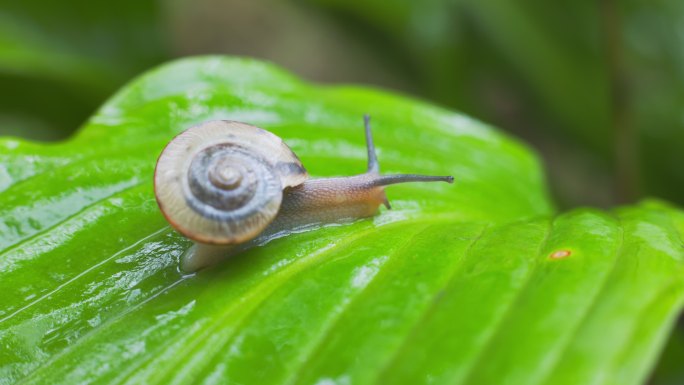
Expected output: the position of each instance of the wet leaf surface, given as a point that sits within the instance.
(464, 283)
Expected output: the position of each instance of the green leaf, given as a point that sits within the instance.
(456, 284)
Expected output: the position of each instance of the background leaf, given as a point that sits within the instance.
(455, 284)
(59, 61)
(595, 87)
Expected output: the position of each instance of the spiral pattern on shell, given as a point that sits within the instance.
(221, 182)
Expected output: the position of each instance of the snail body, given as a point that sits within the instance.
(227, 184)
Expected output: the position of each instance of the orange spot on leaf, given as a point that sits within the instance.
(560, 254)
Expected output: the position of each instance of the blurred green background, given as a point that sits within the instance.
(596, 87)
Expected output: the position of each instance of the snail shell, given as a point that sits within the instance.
(221, 182)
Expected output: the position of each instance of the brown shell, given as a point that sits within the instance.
(208, 213)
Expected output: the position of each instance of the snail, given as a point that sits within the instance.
(226, 185)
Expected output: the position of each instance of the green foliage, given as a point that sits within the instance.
(549, 69)
(60, 60)
(456, 284)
